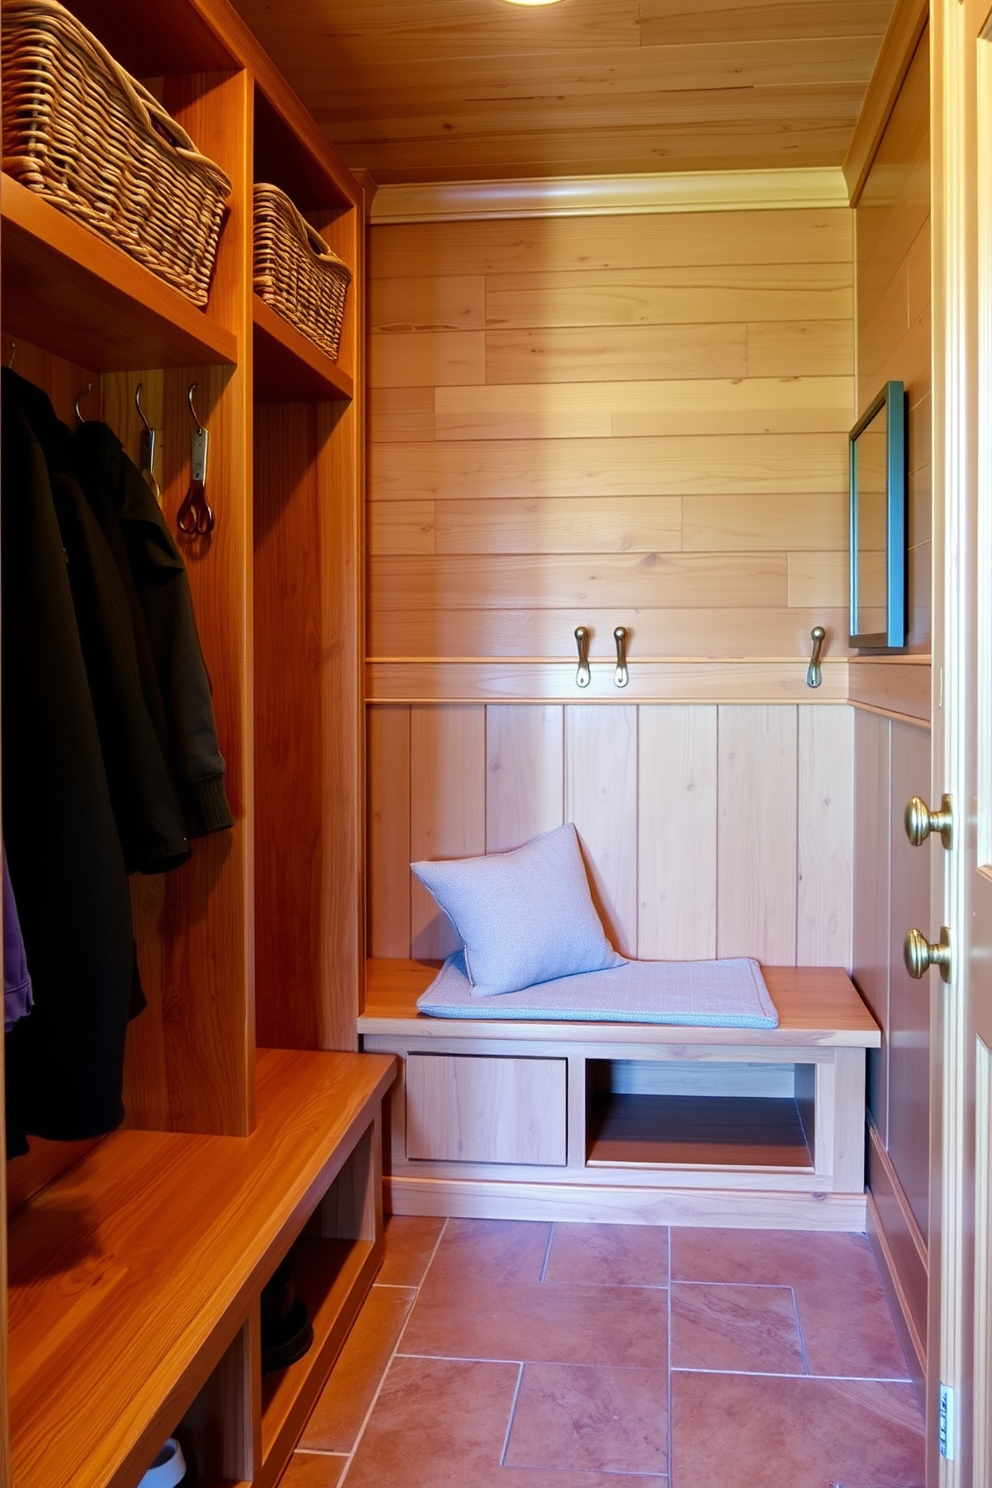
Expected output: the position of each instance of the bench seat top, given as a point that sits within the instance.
(816, 1005)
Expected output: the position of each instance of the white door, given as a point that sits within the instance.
(959, 1369)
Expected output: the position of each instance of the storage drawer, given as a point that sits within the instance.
(472, 1108)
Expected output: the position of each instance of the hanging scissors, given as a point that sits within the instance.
(195, 516)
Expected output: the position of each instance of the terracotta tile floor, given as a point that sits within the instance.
(497, 1354)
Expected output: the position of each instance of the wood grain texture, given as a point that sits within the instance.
(905, 1247)
(678, 821)
(687, 681)
(677, 387)
(825, 823)
(485, 1110)
(818, 1007)
(389, 819)
(413, 96)
(525, 774)
(228, 1207)
(677, 832)
(872, 891)
(628, 524)
(753, 464)
(191, 1055)
(447, 807)
(821, 236)
(892, 229)
(546, 407)
(601, 799)
(756, 862)
(674, 295)
(909, 1021)
(732, 632)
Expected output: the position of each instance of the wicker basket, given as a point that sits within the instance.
(295, 271)
(92, 141)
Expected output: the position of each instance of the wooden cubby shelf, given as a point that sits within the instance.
(68, 290)
(133, 1276)
(670, 1125)
(288, 367)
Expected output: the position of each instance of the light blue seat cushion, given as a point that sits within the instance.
(708, 994)
(523, 917)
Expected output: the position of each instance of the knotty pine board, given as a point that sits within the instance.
(695, 820)
(640, 418)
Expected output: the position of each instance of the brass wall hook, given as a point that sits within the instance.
(814, 675)
(621, 676)
(582, 675)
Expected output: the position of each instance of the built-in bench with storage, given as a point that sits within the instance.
(629, 1122)
(135, 1281)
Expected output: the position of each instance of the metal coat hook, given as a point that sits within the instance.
(195, 516)
(87, 389)
(582, 674)
(147, 446)
(814, 676)
(621, 676)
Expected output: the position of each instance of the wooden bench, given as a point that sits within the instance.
(629, 1122)
(135, 1278)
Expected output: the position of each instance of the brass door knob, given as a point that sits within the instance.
(920, 954)
(921, 821)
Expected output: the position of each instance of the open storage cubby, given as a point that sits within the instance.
(648, 1115)
(257, 941)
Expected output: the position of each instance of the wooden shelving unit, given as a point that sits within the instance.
(289, 368)
(132, 1280)
(675, 1125)
(71, 292)
(154, 1244)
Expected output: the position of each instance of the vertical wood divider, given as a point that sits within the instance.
(190, 1061)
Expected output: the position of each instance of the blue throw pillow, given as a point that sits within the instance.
(525, 916)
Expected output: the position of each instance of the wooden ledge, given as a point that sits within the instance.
(131, 1275)
(816, 1005)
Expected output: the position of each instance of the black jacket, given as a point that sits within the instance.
(64, 1062)
(154, 568)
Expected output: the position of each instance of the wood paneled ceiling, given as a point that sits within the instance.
(447, 90)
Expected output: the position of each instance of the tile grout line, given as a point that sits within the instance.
(513, 1411)
(799, 1326)
(547, 1252)
(831, 1379)
(389, 1363)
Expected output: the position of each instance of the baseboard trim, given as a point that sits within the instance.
(477, 1199)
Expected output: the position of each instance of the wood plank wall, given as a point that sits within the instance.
(601, 421)
(707, 830)
(892, 235)
(892, 757)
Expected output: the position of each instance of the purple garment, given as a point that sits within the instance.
(17, 998)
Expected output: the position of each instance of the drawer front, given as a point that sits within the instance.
(468, 1108)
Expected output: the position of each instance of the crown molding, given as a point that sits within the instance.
(902, 36)
(599, 196)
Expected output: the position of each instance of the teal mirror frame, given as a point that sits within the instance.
(892, 399)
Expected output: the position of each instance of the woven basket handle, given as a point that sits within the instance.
(155, 119)
(316, 242)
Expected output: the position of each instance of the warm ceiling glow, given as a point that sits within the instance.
(532, 2)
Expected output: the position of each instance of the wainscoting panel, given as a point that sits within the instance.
(706, 829)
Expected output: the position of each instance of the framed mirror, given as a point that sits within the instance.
(878, 522)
